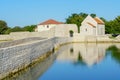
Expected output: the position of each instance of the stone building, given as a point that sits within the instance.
(92, 26)
(58, 29)
(47, 25)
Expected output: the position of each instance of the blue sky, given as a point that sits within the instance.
(27, 12)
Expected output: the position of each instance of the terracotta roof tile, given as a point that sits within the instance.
(99, 21)
(91, 24)
(50, 21)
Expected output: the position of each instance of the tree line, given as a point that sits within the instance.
(4, 29)
(111, 26)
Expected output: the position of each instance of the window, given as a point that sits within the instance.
(47, 26)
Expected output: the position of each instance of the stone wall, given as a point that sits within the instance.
(13, 58)
(63, 30)
(118, 37)
(32, 73)
(21, 41)
(103, 38)
(22, 35)
(5, 37)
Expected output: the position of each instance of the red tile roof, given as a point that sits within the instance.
(91, 24)
(99, 21)
(50, 21)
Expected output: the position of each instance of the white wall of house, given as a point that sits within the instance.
(87, 30)
(45, 27)
(101, 29)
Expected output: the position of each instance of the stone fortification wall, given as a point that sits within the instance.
(36, 70)
(13, 58)
(21, 41)
(5, 37)
(62, 30)
(104, 38)
(22, 35)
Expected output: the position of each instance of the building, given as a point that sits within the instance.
(47, 25)
(56, 29)
(92, 26)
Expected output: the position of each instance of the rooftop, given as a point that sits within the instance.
(98, 20)
(91, 24)
(50, 21)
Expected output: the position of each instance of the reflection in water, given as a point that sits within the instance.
(115, 53)
(102, 56)
(33, 73)
(71, 50)
(81, 61)
(89, 54)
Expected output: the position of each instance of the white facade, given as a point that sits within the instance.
(92, 26)
(45, 27)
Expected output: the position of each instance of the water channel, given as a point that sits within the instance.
(77, 61)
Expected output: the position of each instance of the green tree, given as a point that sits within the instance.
(115, 53)
(117, 24)
(30, 28)
(113, 26)
(8, 30)
(17, 29)
(76, 19)
(103, 19)
(93, 15)
(3, 26)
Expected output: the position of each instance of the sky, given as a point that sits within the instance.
(28, 12)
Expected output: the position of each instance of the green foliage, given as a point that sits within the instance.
(113, 26)
(115, 52)
(3, 26)
(17, 29)
(8, 30)
(76, 19)
(93, 15)
(26, 28)
(103, 19)
(29, 28)
(71, 31)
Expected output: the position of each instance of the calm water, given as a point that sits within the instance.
(78, 62)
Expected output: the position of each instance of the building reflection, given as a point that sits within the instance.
(89, 54)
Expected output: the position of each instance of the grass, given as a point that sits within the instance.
(6, 40)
